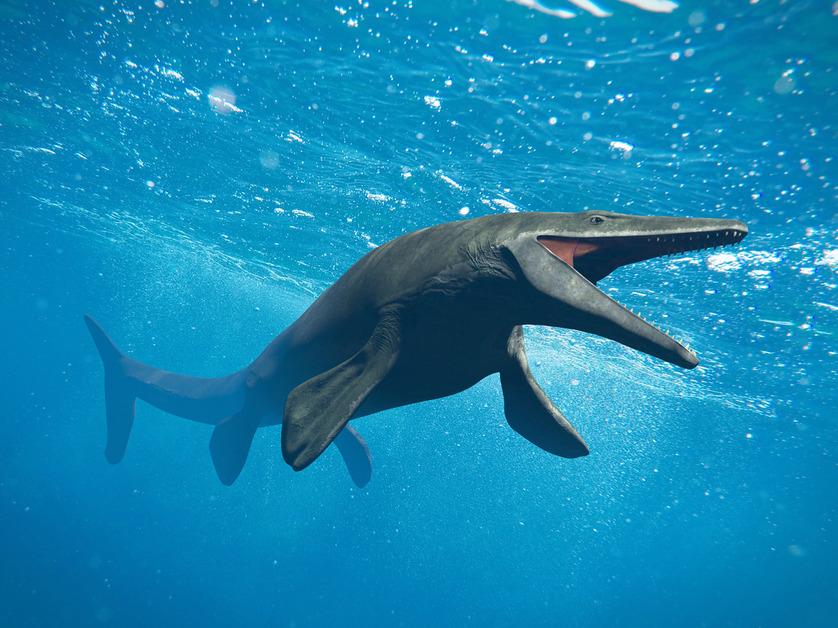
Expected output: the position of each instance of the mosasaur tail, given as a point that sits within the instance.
(120, 399)
(220, 401)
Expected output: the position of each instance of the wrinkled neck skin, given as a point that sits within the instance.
(546, 291)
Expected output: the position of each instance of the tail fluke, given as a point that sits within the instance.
(356, 455)
(119, 396)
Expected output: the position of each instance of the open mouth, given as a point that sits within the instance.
(596, 258)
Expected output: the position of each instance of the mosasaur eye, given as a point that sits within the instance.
(595, 220)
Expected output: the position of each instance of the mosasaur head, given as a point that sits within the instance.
(559, 258)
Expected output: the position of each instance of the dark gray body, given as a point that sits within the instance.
(426, 316)
(453, 314)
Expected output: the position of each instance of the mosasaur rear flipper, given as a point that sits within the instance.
(356, 455)
(319, 408)
(232, 438)
(529, 411)
(230, 443)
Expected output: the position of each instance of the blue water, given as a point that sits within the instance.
(195, 173)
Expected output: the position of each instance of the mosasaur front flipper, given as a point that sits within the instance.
(529, 411)
(318, 409)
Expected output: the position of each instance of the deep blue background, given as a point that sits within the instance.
(196, 235)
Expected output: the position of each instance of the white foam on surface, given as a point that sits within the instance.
(450, 181)
(621, 146)
(537, 6)
(433, 102)
(170, 73)
(223, 100)
(830, 258)
(501, 202)
(590, 7)
(725, 262)
(655, 6)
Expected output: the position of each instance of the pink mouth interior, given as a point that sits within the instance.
(568, 249)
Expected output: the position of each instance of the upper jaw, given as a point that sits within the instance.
(624, 225)
(694, 236)
(596, 256)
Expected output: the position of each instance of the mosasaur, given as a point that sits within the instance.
(424, 316)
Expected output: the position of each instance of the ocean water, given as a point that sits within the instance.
(194, 173)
